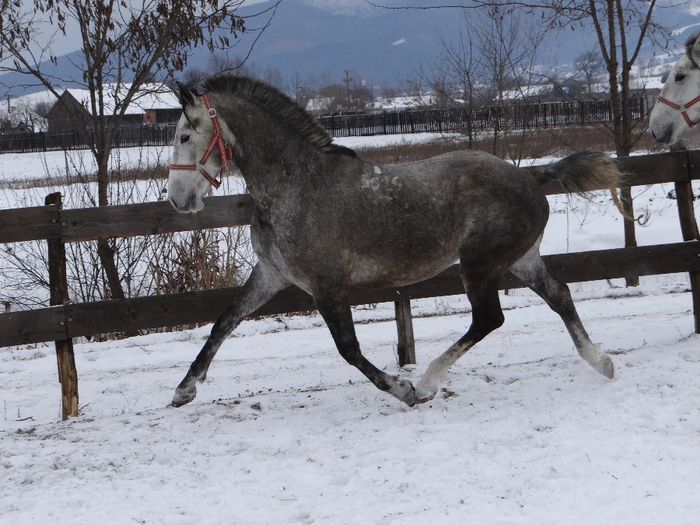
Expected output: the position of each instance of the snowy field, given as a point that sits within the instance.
(285, 432)
(35, 166)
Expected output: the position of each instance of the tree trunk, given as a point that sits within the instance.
(621, 126)
(105, 251)
(624, 151)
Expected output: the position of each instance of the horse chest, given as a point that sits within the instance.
(273, 245)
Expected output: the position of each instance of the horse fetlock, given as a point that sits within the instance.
(433, 376)
(184, 394)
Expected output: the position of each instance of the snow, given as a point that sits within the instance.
(284, 431)
(40, 165)
(149, 96)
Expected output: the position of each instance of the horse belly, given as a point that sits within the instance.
(400, 264)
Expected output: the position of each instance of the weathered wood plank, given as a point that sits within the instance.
(152, 218)
(689, 230)
(32, 326)
(29, 224)
(404, 326)
(198, 307)
(233, 210)
(58, 284)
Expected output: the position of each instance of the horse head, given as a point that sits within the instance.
(677, 111)
(202, 150)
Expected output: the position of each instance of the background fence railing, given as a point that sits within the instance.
(66, 320)
(511, 117)
(506, 117)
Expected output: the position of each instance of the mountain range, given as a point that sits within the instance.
(320, 39)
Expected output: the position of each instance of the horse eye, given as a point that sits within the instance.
(680, 76)
(184, 139)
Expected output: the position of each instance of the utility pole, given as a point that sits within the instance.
(347, 81)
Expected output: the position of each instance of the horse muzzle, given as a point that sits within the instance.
(664, 135)
(192, 204)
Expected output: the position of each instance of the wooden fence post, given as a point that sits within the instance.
(404, 327)
(58, 285)
(689, 230)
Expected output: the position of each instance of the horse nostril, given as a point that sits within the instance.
(652, 133)
(665, 138)
(173, 203)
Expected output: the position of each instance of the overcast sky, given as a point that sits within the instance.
(61, 44)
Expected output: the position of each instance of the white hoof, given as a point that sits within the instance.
(599, 360)
(423, 395)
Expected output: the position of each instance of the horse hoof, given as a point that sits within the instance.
(606, 367)
(599, 360)
(424, 395)
(183, 396)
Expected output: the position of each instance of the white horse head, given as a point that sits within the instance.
(201, 152)
(676, 114)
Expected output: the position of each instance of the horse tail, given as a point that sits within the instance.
(582, 172)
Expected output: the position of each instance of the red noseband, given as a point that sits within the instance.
(217, 141)
(682, 108)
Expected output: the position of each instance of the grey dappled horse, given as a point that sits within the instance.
(325, 220)
(677, 110)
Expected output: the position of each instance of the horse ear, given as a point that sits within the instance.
(184, 94)
(693, 49)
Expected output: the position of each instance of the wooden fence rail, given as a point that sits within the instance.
(63, 322)
(140, 313)
(46, 222)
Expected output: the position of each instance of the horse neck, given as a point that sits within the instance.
(271, 159)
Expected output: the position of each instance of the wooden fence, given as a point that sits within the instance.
(65, 320)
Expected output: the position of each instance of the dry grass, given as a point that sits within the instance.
(510, 145)
(515, 145)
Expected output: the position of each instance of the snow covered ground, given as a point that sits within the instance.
(40, 165)
(284, 431)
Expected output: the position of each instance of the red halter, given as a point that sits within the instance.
(217, 141)
(682, 108)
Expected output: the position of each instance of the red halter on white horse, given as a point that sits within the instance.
(682, 108)
(217, 141)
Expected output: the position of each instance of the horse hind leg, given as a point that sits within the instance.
(533, 272)
(487, 316)
(262, 285)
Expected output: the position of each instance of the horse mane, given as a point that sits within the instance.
(277, 103)
(689, 48)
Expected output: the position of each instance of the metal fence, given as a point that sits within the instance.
(506, 117)
(128, 136)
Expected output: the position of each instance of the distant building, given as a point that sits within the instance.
(72, 112)
(320, 105)
(67, 114)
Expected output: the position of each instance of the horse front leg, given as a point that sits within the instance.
(262, 285)
(338, 317)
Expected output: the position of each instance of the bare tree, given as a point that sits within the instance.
(589, 65)
(124, 46)
(621, 28)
